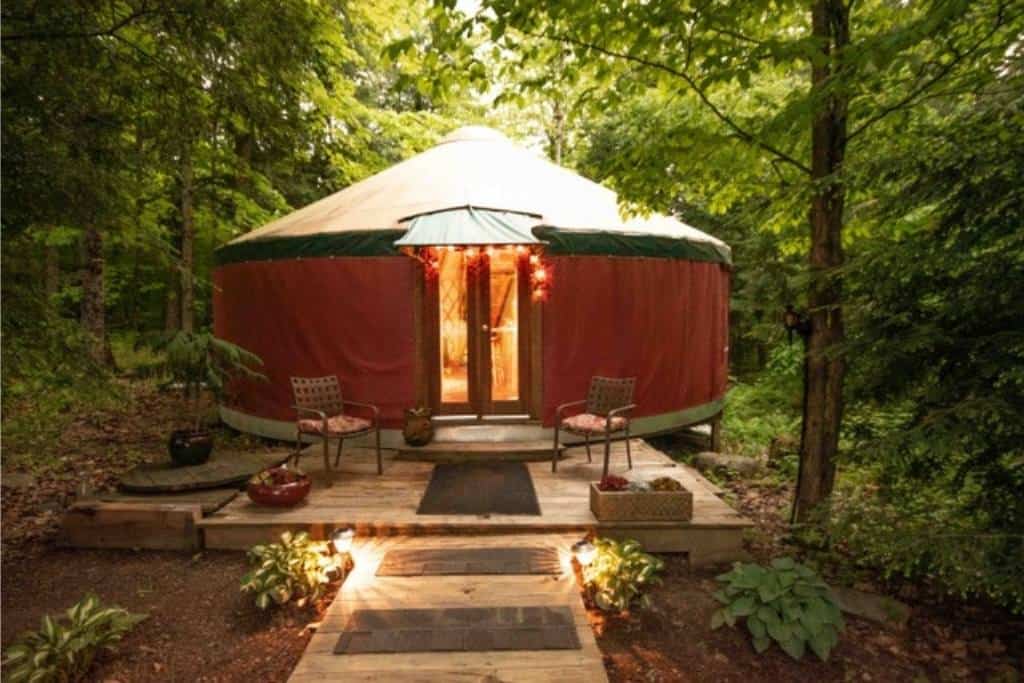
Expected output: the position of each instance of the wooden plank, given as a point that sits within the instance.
(155, 526)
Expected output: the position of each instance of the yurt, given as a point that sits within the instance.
(483, 283)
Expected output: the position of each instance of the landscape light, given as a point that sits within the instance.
(342, 539)
(584, 552)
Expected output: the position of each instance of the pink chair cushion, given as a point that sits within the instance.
(588, 423)
(336, 425)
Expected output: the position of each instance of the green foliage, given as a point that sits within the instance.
(785, 602)
(768, 407)
(63, 651)
(929, 534)
(621, 573)
(294, 569)
(199, 359)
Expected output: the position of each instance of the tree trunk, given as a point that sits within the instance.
(93, 295)
(825, 367)
(188, 234)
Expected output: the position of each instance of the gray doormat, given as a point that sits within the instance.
(452, 561)
(480, 488)
(460, 629)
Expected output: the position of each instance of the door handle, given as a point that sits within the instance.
(484, 328)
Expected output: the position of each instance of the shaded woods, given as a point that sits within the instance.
(863, 160)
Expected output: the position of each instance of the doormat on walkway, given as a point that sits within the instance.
(453, 561)
(460, 629)
(480, 488)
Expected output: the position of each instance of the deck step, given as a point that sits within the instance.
(476, 451)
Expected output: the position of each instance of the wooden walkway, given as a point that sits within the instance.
(363, 590)
(386, 506)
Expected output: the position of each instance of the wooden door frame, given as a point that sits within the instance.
(428, 345)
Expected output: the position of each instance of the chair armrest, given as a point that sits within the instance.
(319, 413)
(373, 408)
(620, 410)
(561, 408)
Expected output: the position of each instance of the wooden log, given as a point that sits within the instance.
(154, 526)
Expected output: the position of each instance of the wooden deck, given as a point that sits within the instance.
(363, 590)
(386, 506)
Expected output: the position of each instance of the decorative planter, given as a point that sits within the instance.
(279, 487)
(641, 506)
(190, 447)
(418, 429)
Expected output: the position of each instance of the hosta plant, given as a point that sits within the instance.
(621, 573)
(786, 602)
(297, 569)
(63, 649)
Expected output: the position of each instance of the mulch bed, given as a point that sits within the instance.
(200, 626)
(672, 641)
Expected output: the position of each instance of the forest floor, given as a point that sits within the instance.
(201, 628)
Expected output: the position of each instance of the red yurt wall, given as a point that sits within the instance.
(347, 316)
(664, 321)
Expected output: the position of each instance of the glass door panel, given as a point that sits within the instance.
(503, 319)
(453, 310)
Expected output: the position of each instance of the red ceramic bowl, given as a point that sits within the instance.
(263, 490)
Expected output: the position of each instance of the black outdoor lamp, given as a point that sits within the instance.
(795, 322)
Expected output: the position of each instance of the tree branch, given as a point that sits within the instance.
(82, 35)
(744, 135)
(917, 92)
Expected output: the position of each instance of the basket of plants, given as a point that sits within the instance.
(616, 499)
(280, 486)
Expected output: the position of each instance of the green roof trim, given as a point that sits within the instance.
(320, 245)
(601, 243)
(382, 243)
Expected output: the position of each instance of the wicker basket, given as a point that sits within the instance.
(641, 506)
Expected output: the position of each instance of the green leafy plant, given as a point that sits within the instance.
(296, 568)
(64, 650)
(786, 602)
(620, 574)
(199, 359)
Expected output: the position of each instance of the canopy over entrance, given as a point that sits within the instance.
(469, 226)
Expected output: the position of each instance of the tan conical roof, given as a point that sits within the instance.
(479, 167)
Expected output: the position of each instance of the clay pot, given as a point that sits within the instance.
(418, 429)
(280, 486)
(190, 447)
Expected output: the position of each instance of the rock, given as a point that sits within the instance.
(878, 608)
(709, 460)
(18, 480)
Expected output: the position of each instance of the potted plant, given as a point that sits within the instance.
(280, 486)
(198, 361)
(616, 499)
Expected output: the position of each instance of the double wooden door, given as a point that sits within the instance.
(478, 308)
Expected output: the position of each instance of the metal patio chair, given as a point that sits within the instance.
(607, 407)
(319, 398)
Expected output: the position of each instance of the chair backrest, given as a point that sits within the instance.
(318, 393)
(608, 393)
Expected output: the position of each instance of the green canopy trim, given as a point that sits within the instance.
(320, 245)
(601, 243)
(558, 242)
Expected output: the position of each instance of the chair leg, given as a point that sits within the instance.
(327, 462)
(607, 451)
(586, 438)
(380, 463)
(629, 454)
(337, 458)
(554, 451)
